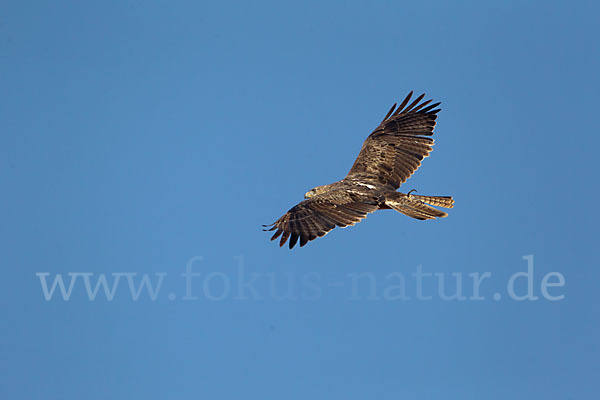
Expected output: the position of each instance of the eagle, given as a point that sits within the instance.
(388, 157)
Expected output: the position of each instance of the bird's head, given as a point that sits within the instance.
(315, 191)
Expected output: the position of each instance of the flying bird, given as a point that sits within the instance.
(388, 157)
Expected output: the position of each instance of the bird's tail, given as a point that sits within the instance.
(416, 206)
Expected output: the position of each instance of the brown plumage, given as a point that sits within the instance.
(388, 157)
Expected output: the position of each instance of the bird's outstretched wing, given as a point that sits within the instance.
(319, 214)
(397, 146)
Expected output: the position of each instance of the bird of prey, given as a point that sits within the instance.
(388, 157)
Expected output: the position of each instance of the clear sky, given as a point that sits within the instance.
(147, 139)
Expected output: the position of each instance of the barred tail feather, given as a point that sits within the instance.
(415, 207)
(438, 201)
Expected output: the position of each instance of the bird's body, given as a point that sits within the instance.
(388, 157)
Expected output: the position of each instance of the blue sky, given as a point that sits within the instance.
(138, 136)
